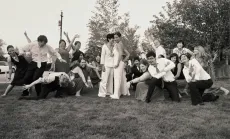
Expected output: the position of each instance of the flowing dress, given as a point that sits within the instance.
(120, 80)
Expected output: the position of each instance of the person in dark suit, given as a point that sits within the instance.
(136, 72)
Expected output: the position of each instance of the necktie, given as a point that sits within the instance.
(39, 59)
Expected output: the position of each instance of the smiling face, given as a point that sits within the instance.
(136, 62)
(196, 51)
(98, 58)
(156, 43)
(151, 60)
(173, 59)
(184, 59)
(116, 38)
(180, 45)
(143, 67)
(11, 51)
(83, 63)
(62, 45)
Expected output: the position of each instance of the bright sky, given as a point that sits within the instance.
(39, 17)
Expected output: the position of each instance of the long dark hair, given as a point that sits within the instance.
(174, 55)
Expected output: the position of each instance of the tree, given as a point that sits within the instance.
(2, 43)
(106, 20)
(197, 22)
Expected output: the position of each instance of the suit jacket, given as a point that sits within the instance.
(106, 59)
(136, 73)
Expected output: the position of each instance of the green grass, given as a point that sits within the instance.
(90, 117)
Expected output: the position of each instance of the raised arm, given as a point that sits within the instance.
(27, 38)
(67, 36)
(71, 42)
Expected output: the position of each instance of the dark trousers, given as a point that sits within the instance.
(197, 90)
(173, 90)
(32, 74)
(170, 86)
(45, 90)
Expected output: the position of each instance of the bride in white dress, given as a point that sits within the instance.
(120, 80)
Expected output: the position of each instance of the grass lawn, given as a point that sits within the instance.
(90, 117)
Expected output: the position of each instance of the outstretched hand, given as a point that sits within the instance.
(25, 87)
(25, 33)
(65, 33)
(77, 36)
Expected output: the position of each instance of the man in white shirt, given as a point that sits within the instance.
(39, 50)
(107, 62)
(197, 78)
(160, 69)
(159, 49)
(56, 81)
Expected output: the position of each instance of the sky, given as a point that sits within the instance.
(40, 17)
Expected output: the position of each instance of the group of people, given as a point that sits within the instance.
(110, 72)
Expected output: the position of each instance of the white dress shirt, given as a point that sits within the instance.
(160, 50)
(106, 57)
(39, 54)
(164, 66)
(51, 77)
(196, 70)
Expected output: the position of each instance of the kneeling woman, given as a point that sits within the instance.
(142, 87)
(53, 82)
(198, 79)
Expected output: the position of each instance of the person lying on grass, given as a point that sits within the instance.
(56, 81)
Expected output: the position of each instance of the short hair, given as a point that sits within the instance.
(187, 55)
(109, 36)
(42, 38)
(64, 82)
(181, 41)
(9, 46)
(151, 53)
(62, 41)
(144, 62)
(77, 42)
(136, 58)
(174, 55)
(117, 33)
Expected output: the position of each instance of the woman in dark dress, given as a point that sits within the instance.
(64, 52)
(21, 68)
